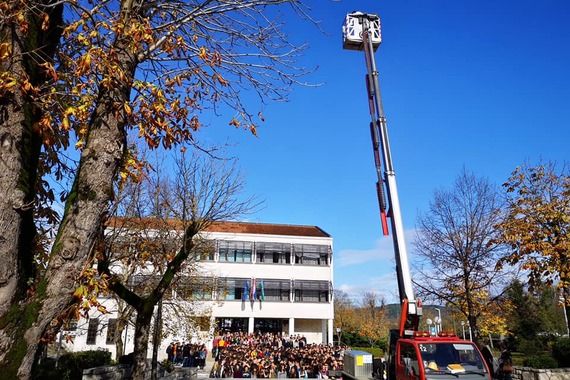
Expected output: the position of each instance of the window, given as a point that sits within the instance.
(239, 289)
(232, 324)
(273, 253)
(202, 323)
(306, 254)
(233, 288)
(235, 251)
(275, 290)
(312, 291)
(437, 356)
(70, 325)
(111, 331)
(409, 359)
(144, 283)
(205, 249)
(92, 331)
(194, 288)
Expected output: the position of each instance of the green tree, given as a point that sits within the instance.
(524, 317)
(537, 225)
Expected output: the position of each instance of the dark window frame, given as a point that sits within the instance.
(230, 251)
(92, 331)
(111, 331)
(312, 254)
(273, 253)
(312, 291)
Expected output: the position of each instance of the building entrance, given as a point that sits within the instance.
(232, 324)
(271, 325)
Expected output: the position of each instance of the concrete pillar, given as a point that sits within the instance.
(250, 325)
(330, 331)
(291, 326)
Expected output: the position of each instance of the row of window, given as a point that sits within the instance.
(230, 289)
(276, 290)
(267, 253)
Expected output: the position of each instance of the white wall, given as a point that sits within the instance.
(310, 319)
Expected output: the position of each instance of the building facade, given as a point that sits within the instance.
(265, 277)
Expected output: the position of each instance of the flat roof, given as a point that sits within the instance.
(225, 226)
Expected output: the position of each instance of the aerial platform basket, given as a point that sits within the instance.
(353, 27)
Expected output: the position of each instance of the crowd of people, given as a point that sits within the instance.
(187, 355)
(270, 355)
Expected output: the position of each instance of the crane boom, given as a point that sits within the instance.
(411, 354)
(369, 33)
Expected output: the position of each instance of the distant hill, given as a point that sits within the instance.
(393, 310)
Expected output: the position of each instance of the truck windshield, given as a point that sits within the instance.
(452, 359)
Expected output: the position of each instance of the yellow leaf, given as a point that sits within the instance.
(65, 124)
(45, 22)
(127, 109)
(5, 50)
(203, 53)
(80, 291)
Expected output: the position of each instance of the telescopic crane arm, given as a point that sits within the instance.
(367, 27)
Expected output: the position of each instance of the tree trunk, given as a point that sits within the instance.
(119, 343)
(20, 146)
(12, 130)
(156, 340)
(85, 210)
(142, 330)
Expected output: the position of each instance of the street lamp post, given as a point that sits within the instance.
(463, 328)
(439, 321)
(338, 331)
(429, 322)
(563, 302)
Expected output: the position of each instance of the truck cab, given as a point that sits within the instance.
(438, 358)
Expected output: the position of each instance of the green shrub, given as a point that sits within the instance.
(561, 352)
(530, 346)
(46, 370)
(540, 361)
(70, 366)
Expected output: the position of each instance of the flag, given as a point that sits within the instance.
(245, 291)
(252, 292)
(262, 290)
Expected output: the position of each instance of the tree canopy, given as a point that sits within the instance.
(537, 225)
(457, 249)
(77, 78)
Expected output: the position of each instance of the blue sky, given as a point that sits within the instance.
(482, 84)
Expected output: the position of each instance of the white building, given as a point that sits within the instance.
(289, 266)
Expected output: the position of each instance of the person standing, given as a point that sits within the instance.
(170, 353)
(505, 370)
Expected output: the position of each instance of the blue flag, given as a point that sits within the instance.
(245, 291)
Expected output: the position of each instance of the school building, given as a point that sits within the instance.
(263, 277)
